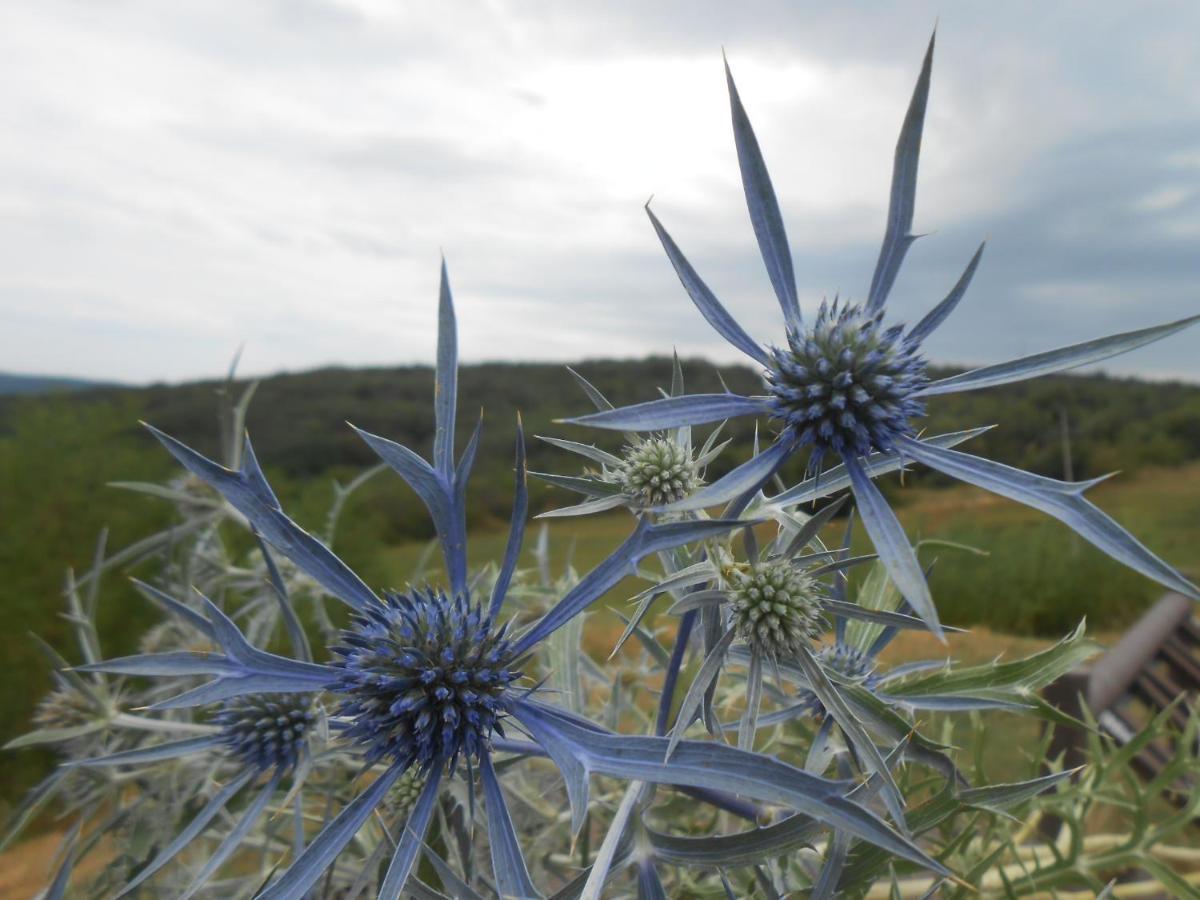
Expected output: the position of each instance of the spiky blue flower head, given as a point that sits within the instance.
(847, 383)
(267, 731)
(425, 679)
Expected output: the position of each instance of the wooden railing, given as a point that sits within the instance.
(1154, 663)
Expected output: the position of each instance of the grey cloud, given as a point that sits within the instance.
(287, 173)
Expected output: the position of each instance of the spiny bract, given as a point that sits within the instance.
(846, 384)
(267, 731)
(851, 664)
(776, 608)
(658, 471)
(425, 679)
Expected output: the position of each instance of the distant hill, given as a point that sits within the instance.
(41, 384)
(298, 421)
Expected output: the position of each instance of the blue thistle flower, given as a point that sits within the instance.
(422, 676)
(426, 679)
(852, 386)
(650, 472)
(847, 384)
(267, 731)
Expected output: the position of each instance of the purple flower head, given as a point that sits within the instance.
(846, 384)
(267, 731)
(425, 679)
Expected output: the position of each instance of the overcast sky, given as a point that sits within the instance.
(179, 178)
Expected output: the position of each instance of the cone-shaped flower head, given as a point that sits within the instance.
(658, 471)
(425, 679)
(63, 708)
(70, 711)
(404, 794)
(267, 731)
(846, 384)
(776, 608)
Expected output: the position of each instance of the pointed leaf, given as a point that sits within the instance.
(895, 552)
(593, 453)
(602, 866)
(592, 487)
(516, 528)
(508, 863)
(882, 617)
(763, 208)
(672, 412)
(831, 871)
(234, 839)
(706, 301)
(412, 839)
(938, 314)
(998, 797)
(188, 834)
(182, 610)
(898, 234)
(248, 492)
(445, 397)
(435, 491)
(864, 747)
(597, 398)
(1060, 499)
(876, 464)
(696, 690)
(646, 539)
(587, 508)
(1054, 360)
(296, 635)
(709, 765)
(156, 753)
(304, 872)
(811, 528)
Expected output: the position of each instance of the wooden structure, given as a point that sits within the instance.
(1153, 663)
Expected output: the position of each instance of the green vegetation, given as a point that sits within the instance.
(58, 451)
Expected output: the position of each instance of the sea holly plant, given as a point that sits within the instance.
(850, 386)
(652, 470)
(457, 736)
(425, 678)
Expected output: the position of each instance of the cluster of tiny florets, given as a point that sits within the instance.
(776, 608)
(846, 385)
(658, 471)
(267, 731)
(404, 794)
(63, 709)
(425, 679)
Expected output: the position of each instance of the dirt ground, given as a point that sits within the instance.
(27, 868)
